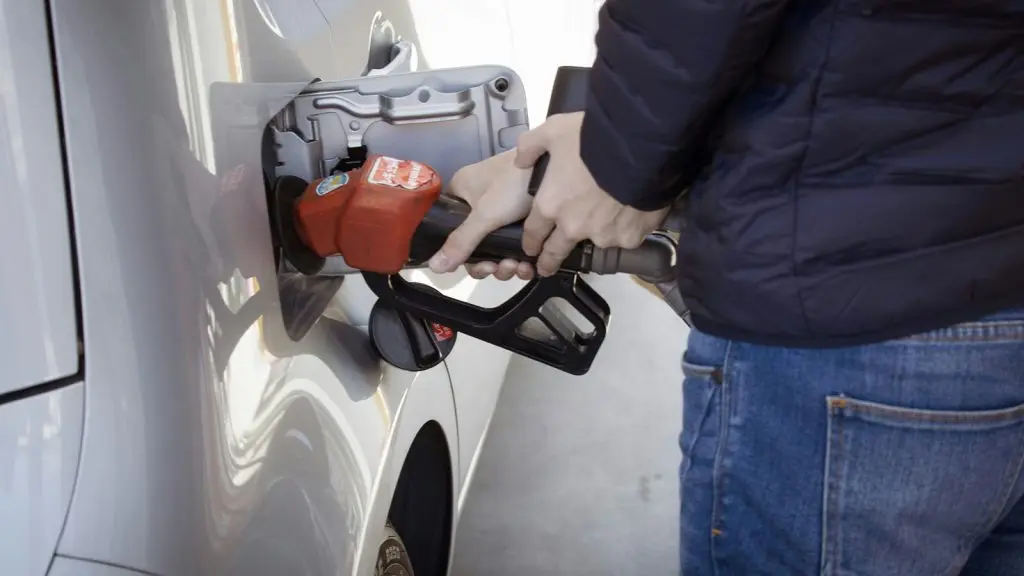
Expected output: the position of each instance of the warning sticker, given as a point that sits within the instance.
(442, 333)
(396, 173)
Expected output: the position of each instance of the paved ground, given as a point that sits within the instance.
(578, 475)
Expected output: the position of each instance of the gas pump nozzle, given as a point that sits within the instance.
(653, 260)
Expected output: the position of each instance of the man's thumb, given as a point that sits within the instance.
(531, 146)
(460, 244)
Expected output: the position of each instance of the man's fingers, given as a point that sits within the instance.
(531, 146)
(555, 251)
(525, 271)
(461, 243)
(506, 269)
(481, 270)
(536, 229)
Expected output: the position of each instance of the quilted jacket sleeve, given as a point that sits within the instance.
(663, 72)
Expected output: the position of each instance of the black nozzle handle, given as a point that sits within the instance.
(653, 259)
(449, 212)
(569, 94)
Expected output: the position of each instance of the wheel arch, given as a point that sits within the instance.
(422, 506)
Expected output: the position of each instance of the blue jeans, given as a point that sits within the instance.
(902, 458)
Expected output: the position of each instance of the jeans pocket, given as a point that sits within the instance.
(910, 492)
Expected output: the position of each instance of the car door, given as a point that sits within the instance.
(214, 443)
(41, 395)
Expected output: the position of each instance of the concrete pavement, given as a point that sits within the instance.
(579, 474)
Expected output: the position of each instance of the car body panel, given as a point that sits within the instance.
(213, 443)
(40, 438)
(37, 295)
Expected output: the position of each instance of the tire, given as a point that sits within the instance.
(392, 558)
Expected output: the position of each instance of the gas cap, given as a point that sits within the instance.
(407, 341)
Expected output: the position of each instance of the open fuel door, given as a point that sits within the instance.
(444, 118)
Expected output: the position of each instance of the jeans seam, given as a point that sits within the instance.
(994, 331)
(1005, 416)
(700, 426)
(830, 499)
(718, 479)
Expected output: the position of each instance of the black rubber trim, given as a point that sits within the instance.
(104, 563)
(78, 376)
(37, 389)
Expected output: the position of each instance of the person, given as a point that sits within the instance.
(853, 258)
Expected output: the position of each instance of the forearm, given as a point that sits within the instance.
(663, 73)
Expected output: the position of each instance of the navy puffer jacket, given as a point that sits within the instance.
(856, 167)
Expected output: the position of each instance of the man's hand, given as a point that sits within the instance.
(570, 206)
(496, 190)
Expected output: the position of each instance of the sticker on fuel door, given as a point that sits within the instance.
(331, 183)
(441, 333)
(396, 173)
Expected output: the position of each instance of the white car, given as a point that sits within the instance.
(174, 400)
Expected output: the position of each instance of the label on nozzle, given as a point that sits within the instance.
(394, 173)
(331, 183)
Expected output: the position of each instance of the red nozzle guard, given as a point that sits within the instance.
(390, 200)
